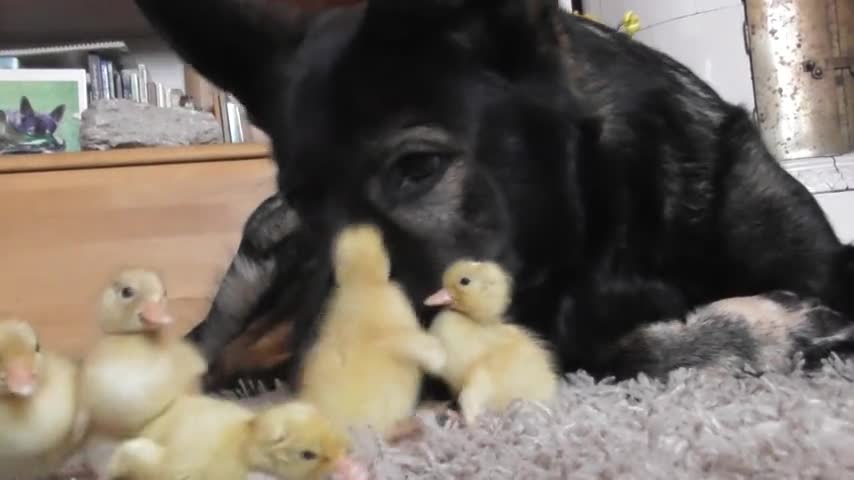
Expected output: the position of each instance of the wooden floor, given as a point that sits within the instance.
(63, 233)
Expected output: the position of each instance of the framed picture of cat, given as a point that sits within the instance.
(40, 110)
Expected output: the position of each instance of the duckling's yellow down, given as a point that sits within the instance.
(367, 364)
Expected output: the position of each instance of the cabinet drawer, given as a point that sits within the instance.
(65, 232)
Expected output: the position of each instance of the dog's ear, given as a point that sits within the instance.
(501, 32)
(239, 45)
(26, 108)
(57, 113)
(521, 10)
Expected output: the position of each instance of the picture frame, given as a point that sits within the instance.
(40, 110)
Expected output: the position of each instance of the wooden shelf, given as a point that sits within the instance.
(132, 156)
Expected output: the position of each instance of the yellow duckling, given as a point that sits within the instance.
(40, 425)
(490, 362)
(211, 439)
(366, 367)
(135, 371)
(630, 23)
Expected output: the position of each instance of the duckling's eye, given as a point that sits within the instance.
(308, 455)
(38, 347)
(465, 281)
(127, 292)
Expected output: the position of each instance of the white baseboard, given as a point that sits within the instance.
(823, 174)
(839, 208)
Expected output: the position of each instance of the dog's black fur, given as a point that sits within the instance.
(617, 187)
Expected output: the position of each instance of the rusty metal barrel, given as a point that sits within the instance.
(802, 56)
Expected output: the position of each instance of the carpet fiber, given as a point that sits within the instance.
(696, 424)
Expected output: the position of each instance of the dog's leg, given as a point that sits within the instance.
(263, 346)
(763, 332)
(595, 318)
(844, 281)
(248, 278)
(773, 233)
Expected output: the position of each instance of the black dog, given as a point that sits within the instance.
(617, 186)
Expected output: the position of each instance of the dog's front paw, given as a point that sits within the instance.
(814, 350)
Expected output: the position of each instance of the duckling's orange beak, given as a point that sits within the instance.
(442, 298)
(21, 381)
(154, 315)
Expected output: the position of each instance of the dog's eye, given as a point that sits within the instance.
(465, 281)
(127, 292)
(38, 347)
(414, 174)
(308, 455)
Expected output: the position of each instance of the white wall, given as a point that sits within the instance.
(705, 35)
(839, 207)
(708, 37)
(163, 65)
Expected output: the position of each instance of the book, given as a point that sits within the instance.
(93, 71)
(135, 94)
(143, 84)
(105, 81)
(234, 131)
(111, 79)
(162, 98)
(126, 79)
(222, 106)
(117, 85)
(175, 95)
(151, 93)
(9, 62)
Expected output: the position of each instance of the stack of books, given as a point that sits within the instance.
(107, 76)
(231, 114)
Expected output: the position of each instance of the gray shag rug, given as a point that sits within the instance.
(695, 424)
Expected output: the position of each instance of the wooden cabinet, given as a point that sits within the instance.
(68, 221)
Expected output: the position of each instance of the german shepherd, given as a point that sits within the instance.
(624, 195)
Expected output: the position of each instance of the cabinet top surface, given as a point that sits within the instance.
(131, 156)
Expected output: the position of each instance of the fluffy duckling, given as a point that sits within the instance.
(205, 438)
(137, 459)
(366, 366)
(490, 361)
(294, 441)
(40, 424)
(135, 371)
